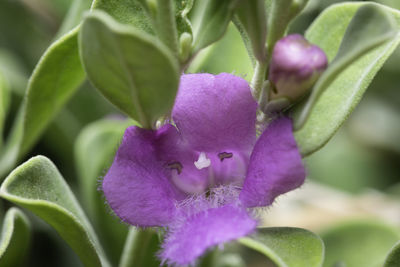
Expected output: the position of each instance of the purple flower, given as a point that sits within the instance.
(201, 177)
(295, 66)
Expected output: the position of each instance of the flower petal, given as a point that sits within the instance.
(180, 159)
(203, 230)
(136, 185)
(229, 167)
(275, 165)
(215, 112)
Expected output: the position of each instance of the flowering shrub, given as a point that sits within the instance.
(182, 174)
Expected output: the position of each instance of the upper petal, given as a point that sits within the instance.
(215, 112)
(275, 165)
(136, 185)
(203, 230)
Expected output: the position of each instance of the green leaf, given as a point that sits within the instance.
(13, 72)
(359, 243)
(54, 80)
(15, 238)
(94, 151)
(141, 248)
(360, 57)
(182, 8)
(282, 12)
(4, 103)
(208, 60)
(130, 12)
(74, 16)
(144, 87)
(166, 25)
(210, 20)
(294, 247)
(393, 258)
(38, 186)
(253, 19)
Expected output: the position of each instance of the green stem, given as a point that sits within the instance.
(258, 79)
(140, 248)
(166, 25)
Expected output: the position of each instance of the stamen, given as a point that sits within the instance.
(176, 165)
(202, 162)
(225, 155)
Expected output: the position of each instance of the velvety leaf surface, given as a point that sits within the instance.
(130, 12)
(370, 27)
(209, 20)
(287, 247)
(54, 80)
(340, 97)
(393, 258)
(113, 56)
(94, 151)
(253, 19)
(15, 238)
(182, 8)
(38, 186)
(359, 244)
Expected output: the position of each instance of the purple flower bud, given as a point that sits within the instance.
(295, 66)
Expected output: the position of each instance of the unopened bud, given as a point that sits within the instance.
(295, 66)
(185, 43)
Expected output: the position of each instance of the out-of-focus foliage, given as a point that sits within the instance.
(15, 238)
(372, 241)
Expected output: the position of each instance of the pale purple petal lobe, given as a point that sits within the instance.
(136, 185)
(204, 230)
(179, 160)
(275, 165)
(215, 112)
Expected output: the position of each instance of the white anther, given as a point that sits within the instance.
(202, 162)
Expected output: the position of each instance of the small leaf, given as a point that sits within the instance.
(38, 186)
(209, 20)
(144, 87)
(15, 238)
(393, 258)
(340, 88)
(253, 19)
(182, 8)
(94, 151)
(359, 243)
(286, 246)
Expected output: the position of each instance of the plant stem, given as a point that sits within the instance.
(166, 25)
(140, 248)
(258, 79)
